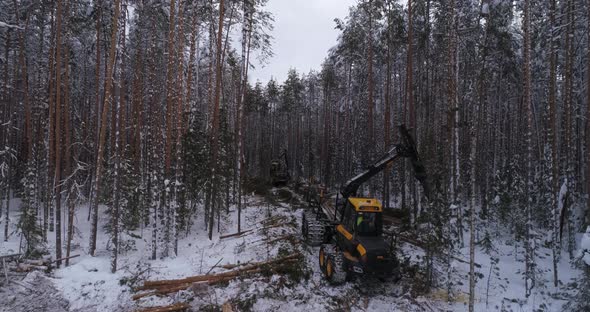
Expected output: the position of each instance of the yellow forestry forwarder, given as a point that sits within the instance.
(351, 238)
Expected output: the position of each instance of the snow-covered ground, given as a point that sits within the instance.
(88, 285)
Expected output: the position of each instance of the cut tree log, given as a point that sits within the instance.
(236, 234)
(250, 231)
(170, 308)
(34, 262)
(257, 264)
(64, 258)
(227, 307)
(29, 267)
(164, 287)
(272, 220)
(168, 289)
(200, 278)
(289, 237)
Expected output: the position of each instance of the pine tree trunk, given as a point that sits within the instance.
(556, 246)
(7, 216)
(178, 188)
(58, 145)
(116, 193)
(48, 213)
(246, 36)
(569, 111)
(25, 81)
(371, 83)
(103, 130)
(453, 112)
(68, 157)
(6, 118)
(387, 118)
(123, 82)
(410, 70)
(170, 87)
(119, 148)
(529, 274)
(191, 64)
(215, 123)
(588, 127)
(137, 116)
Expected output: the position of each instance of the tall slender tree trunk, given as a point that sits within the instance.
(556, 248)
(529, 278)
(568, 123)
(98, 5)
(25, 81)
(7, 117)
(48, 213)
(215, 122)
(119, 129)
(453, 112)
(137, 116)
(103, 130)
(68, 159)
(387, 120)
(177, 185)
(246, 35)
(58, 145)
(410, 69)
(170, 87)
(371, 83)
(122, 126)
(192, 57)
(588, 127)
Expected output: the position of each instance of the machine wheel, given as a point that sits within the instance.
(313, 231)
(325, 252)
(335, 271)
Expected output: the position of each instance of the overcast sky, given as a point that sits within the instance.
(303, 34)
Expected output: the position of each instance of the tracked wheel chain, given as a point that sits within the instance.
(314, 231)
(339, 275)
(333, 255)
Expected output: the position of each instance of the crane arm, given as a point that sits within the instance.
(406, 148)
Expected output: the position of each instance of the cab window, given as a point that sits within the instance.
(349, 218)
(367, 223)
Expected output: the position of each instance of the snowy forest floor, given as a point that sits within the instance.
(88, 285)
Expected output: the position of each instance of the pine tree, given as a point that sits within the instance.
(28, 224)
(102, 136)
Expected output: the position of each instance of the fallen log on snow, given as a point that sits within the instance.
(273, 220)
(236, 234)
(34, 262)
(214, 280)
(64, 258)
(200, 278)
(170, 308)
(257, 264)
(163, 287)
(22, 267)
(250, 231)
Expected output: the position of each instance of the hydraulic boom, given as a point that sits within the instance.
(405, 148)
